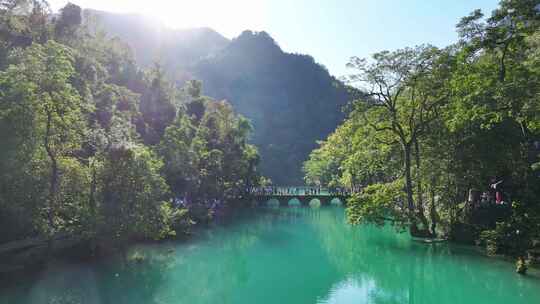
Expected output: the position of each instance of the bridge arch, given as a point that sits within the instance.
(294, 202)
(336, 201)
(315, 203)
(273, 202)
(276, 197)
(255, 203)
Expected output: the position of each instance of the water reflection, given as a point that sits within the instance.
(283, 255)
(360, 290)
(381, 266)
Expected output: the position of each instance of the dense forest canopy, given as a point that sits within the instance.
(290, 99)
(96, 147)
(447, 141)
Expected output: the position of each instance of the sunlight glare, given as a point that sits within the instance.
(230, 17)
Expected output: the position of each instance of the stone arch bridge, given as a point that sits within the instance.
(302, 195)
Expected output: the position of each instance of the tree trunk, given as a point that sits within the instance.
(53, 187)
(409, 186)
(502, 70)
(413, 215)
(433, 209)
(93, 207)
(529, 154)
(420, 200)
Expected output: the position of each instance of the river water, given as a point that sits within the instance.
(283, 255)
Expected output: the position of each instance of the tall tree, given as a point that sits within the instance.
(157, 106)
(405, 90)
(47, 70)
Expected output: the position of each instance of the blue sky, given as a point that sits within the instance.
(330, 31)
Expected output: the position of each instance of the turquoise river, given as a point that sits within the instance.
(283, 255)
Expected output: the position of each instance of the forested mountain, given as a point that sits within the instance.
(291, 100)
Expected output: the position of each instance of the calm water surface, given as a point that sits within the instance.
(287, 255)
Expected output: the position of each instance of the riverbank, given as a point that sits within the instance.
(32, 254)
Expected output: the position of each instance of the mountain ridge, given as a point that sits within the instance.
(291, 100)
(153, 42)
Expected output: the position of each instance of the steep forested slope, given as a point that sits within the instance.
(291, 100)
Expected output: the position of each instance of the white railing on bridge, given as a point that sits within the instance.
(299, 191)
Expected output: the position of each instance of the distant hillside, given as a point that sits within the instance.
(291, 100)
(151, 42)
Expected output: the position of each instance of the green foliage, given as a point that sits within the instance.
(68, 22)
(96, 148)
(327, 160)
(207, 155)
(378, 204)
(36, 88)
(157, 107)
(447, 122)
(132, 194)
(515, 235)
(350, 157)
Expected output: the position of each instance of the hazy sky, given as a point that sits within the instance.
(330, 31)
